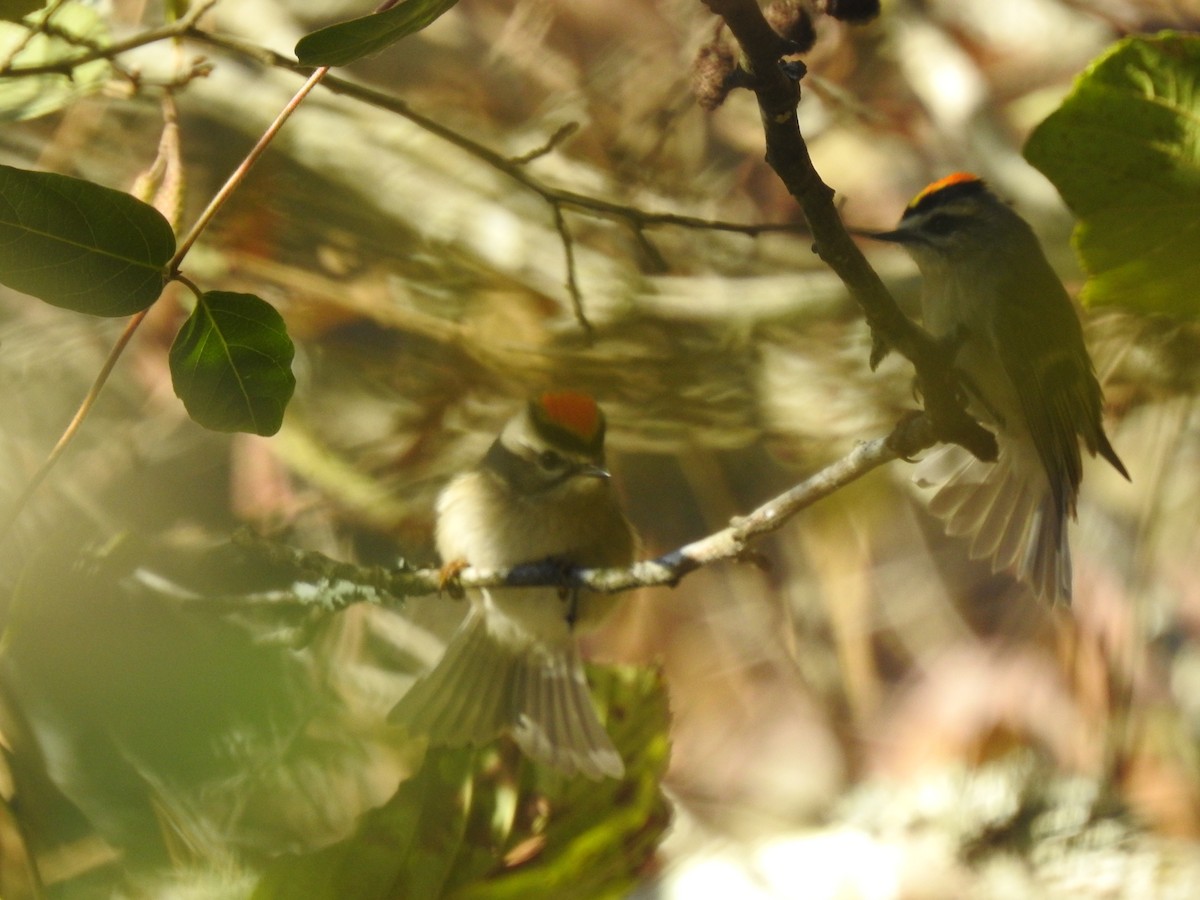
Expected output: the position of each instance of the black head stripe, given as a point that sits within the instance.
(933, 197)
(558, 436)
(521, 474)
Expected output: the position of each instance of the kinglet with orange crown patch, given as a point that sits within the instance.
(990, 291)
(540, 493)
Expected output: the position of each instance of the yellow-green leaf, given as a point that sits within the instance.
(1124, 152)
(77, 26)
(16, 10)
(345, 42)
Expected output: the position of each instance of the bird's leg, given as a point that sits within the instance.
(448, 582)
(572, 600)
(567, 592)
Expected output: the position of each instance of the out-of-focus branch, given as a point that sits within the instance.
(733, 542)
(778, 96)
(66, 66)
(559, 199)
(515, 168)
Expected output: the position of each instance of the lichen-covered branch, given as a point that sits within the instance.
(733, 542)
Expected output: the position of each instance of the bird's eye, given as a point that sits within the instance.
(940, 224)
(551, 461)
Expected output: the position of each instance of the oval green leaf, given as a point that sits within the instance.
(79, 245)
(1124, 152)
(345, 42)
(231, 364)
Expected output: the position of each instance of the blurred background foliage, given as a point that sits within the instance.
(865, 714)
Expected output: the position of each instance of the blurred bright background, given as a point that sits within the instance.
(867, 713)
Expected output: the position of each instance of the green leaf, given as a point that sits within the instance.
(174, 10)
(79, 245)
(1124, 152)
(600, 834)
(16, 10)
(231, 364)
(76, 27)
(345, 42)
(488, 824)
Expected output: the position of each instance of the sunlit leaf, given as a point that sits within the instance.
(79, 245)
(604, 832)
(231, 364)
(468, 825)
(345, 42)
(16, 10)
(1124, 152)
(30, 96)
(18, 872)
(174, 10)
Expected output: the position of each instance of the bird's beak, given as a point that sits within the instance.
(590, 471)
(899, 236)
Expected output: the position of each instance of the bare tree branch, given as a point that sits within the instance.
(778, 96)
(568, 242)
(514, 168)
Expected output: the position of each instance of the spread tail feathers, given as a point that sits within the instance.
(1008, 513)
(483, 687)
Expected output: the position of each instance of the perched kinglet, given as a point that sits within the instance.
(541, 492)
(989, 290)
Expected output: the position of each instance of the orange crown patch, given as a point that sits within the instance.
(943, 183)
(573, 412)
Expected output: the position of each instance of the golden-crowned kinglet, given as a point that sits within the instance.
(541, 492)
(988, 288)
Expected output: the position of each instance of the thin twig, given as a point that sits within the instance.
(561, 134)
(75, 424)
(568, 242)
(239, 174)
(515, 169)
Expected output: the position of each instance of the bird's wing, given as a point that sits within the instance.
(1043, 353)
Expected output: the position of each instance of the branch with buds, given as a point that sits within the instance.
(908, 438)
(776, 85)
